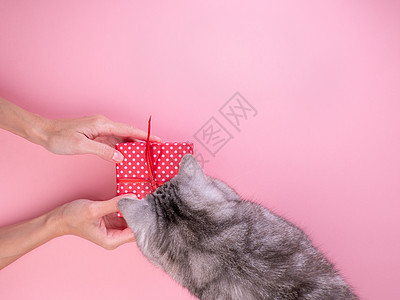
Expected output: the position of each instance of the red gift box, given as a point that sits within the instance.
(145, 168)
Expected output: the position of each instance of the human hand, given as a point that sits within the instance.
(96, 221)
(95, 135)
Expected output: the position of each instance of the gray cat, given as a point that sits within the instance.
(221, 247)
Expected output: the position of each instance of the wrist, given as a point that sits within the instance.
(37, 131)
(55, 223)
(21, 122)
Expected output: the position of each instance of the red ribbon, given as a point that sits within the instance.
(154, 183)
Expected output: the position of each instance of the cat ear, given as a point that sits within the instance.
(132, 209)
(190, 168)
(137, 214)
(128, 205)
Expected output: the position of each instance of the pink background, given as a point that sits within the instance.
(323, 150)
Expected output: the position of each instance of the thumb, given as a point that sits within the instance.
(106, 207)
(102, 150)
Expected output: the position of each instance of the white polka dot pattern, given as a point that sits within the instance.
(165, 156)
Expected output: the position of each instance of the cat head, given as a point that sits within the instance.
(182, 211)
(199, 191)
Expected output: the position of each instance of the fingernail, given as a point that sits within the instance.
(117, 157)
(156, 137)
